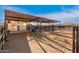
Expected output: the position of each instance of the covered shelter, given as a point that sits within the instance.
(15, 21)
(21, 38)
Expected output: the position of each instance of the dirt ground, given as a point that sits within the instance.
(47, 42)
(51, 43)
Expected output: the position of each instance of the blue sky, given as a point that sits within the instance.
(63, 13)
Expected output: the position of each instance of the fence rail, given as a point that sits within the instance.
(2, 38)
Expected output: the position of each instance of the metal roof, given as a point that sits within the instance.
(12, 15)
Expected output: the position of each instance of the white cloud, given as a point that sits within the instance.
(64, 16)
(71, 15)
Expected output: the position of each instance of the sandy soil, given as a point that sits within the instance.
(46, 42)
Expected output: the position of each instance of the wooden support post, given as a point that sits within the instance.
(75, 39)
(53, 28)
(6, 25)
(26, 26)
(40, 27)
(29, 27)
(37, 25)
(18, 26)
(6, 28)
(48, 26)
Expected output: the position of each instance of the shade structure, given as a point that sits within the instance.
(15, 16)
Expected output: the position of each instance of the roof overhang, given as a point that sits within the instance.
(15, 16)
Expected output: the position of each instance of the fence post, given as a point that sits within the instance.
(76, 39)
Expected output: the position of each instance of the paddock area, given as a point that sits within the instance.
(24, 33)
(50, 43)
(36, 42)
